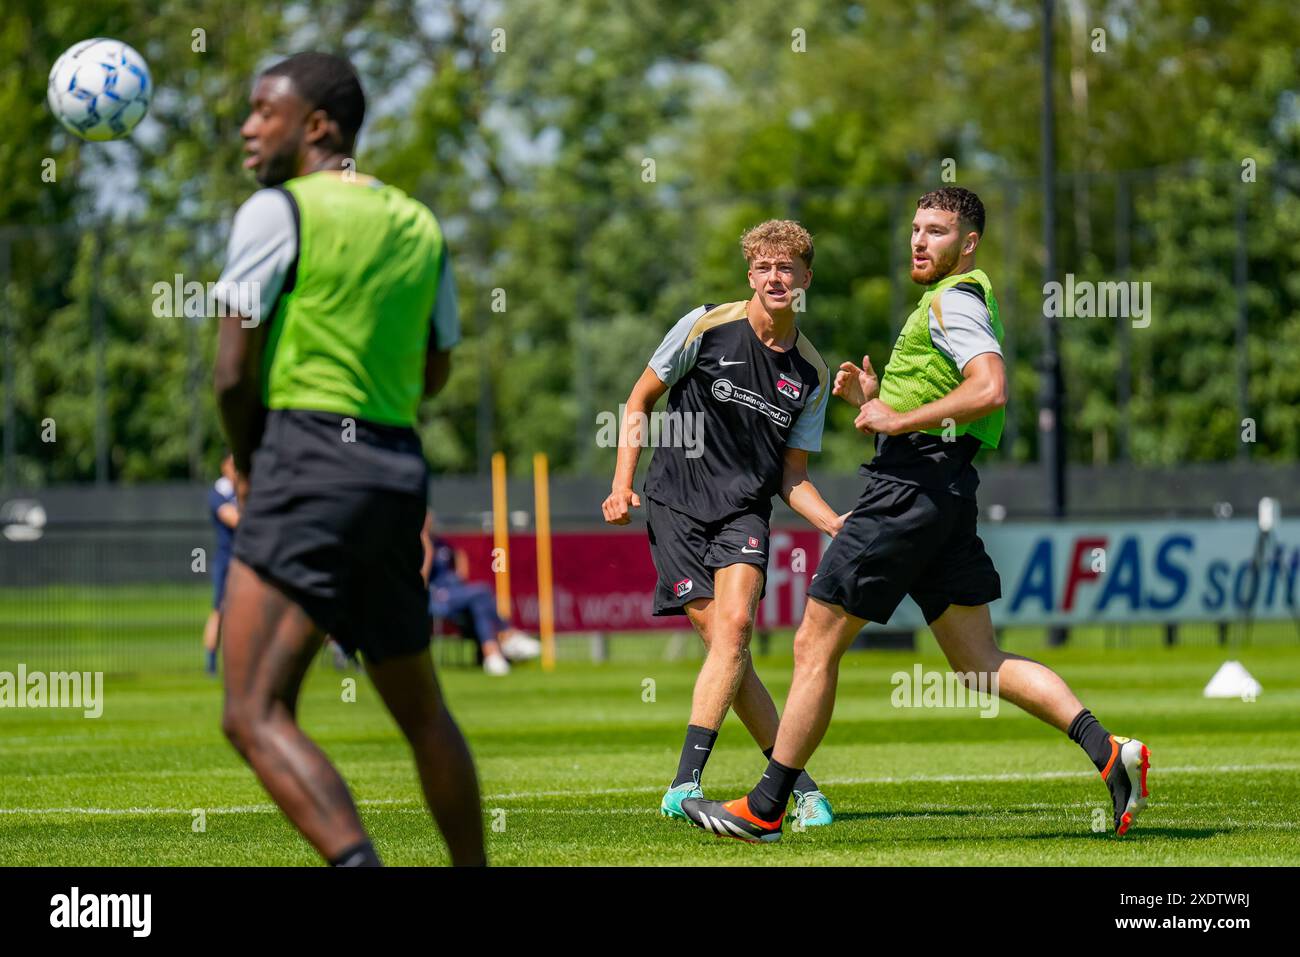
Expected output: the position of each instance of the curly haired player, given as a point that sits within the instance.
(757, 389)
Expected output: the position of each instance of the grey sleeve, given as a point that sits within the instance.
(967, 327)
(263, 246)
(675, 356)
(806, 433)
(445, 320)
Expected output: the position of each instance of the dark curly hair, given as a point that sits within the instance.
(327, 82)
(954, 199)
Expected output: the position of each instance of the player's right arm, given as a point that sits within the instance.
(642, 400)
(673, 359)
(856, 386)
(262, 250)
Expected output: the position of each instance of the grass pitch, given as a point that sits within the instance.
(572, 766)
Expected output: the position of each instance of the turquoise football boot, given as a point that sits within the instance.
(812, 809)
(671, 805)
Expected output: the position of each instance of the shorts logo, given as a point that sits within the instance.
(682, 587)
(753, 542)
(789, 387)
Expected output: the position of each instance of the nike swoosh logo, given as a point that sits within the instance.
(752, 551)
(698, 748)
(734, 362)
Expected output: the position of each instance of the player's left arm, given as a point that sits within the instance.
(444, 332)
(797, 489)
(983, 390)
(961, 327)
(799, 492)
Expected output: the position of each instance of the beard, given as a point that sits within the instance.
(279, 166)
(934, 270)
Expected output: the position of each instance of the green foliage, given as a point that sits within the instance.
(535, 158)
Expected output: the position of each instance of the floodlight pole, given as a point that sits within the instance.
(1051, 407)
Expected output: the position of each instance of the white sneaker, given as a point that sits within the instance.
(520, 647)
(496, 665)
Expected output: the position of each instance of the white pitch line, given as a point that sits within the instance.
(520, 795)
(933, 778)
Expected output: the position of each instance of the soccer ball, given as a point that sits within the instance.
(99, 89)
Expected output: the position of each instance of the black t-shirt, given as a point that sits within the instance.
(734, 407)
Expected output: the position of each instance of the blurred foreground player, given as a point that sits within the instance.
(318, 391)
(750, 393)
(913, 531)
(223, 509)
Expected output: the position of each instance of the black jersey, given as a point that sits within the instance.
(743, 402)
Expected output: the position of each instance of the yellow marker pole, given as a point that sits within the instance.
(500, 535)
(545, 595)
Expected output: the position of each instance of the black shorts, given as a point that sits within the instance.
(687, 551)
(901, 540)
(323, 529)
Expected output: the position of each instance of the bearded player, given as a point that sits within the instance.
(756, 388)
(913, 530)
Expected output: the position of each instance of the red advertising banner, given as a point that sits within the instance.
(604, 581)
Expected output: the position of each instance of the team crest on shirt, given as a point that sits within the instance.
(682, 587)
(788, 387)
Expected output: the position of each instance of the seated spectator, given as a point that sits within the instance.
(471, 606)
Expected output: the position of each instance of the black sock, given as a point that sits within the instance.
(772, 793)
(1087, 732)
(805, 783)
(695, 754)
(358, 855)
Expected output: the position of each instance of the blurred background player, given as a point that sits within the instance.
(319, 393)
(223, 509)
(753, 389)
(913, 531)
(471, 606)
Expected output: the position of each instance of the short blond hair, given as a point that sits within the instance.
(777, 236)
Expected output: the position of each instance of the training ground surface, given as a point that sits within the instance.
(573, 763)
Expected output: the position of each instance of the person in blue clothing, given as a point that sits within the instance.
(471, 606)
(223, 509)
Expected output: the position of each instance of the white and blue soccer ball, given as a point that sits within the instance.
(100, 89)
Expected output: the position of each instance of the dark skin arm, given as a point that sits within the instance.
(437, 369)
(236, 378)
